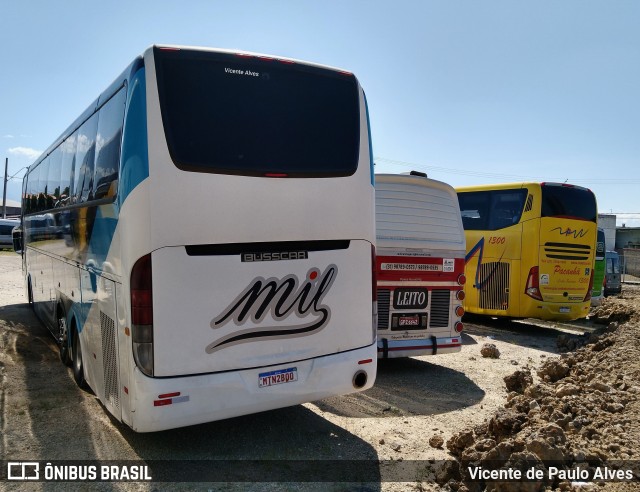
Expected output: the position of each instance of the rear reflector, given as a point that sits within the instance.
(169, 395)
(365, 361)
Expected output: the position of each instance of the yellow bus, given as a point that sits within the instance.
(530, 249)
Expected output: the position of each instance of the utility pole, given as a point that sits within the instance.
(4, 192)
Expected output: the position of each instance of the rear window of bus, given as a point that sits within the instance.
(568, 202)
(231, 114)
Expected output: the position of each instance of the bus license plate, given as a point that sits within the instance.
(565, 309)
(277, 377)
(409, 320)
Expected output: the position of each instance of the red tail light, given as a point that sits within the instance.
(460, 295)
(142, 314)
(462, 279)
(533, 287)
(590, 289)
(459, 327)
(141, 294)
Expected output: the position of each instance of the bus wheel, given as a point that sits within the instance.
(63, 338)
(76, 359)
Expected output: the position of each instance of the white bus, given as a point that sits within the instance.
(420, 266)
(198, 239)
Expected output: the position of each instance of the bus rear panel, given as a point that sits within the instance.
(420, 267)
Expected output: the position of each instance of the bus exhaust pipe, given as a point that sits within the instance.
(360, 379)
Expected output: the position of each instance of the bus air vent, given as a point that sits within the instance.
(109, 360)
(440, 307)
(494, 286)
(567, 251)
(529, 204)
(384, 300)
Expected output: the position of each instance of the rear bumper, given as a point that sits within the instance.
(421, 346)
(552, 311)
(613, 290)
(218, 396)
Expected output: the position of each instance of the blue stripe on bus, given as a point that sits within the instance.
(104, 228)
(135, 155)
(371, 163)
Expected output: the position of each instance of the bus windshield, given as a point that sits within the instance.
(568, 202)
(245, 115)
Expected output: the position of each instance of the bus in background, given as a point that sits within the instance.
(6, 232)
(252, 298)
(420, 266)
(530, 249)
(612, 280)
(597, 292)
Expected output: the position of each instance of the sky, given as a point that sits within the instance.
(468, 91)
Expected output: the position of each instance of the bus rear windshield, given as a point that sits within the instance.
(231, 114)
(568, 202)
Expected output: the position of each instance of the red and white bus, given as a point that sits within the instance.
(420, 266)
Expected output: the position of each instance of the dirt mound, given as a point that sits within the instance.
(614, 309)
(490, 350)
(580, 413)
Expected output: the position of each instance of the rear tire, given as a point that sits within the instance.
(76, 360)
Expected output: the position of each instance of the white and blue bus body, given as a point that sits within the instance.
(200, 238)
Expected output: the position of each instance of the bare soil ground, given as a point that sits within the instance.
(433, 412)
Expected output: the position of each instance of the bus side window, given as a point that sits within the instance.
(506, 208)
(68, 148)
(43, 188)
(85, 153)
(108, 146)
(53, 181)
(474, 210)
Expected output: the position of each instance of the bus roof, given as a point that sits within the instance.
(511, 186)
(417, 212)
(239, 52)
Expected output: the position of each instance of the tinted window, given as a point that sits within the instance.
(568, 202)
(242, 115)
(53, 182)
(85, 157)
(68, 148)
(43, 188)
(108, 146)
(491, 210)
(32, 190)
(474, 208)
